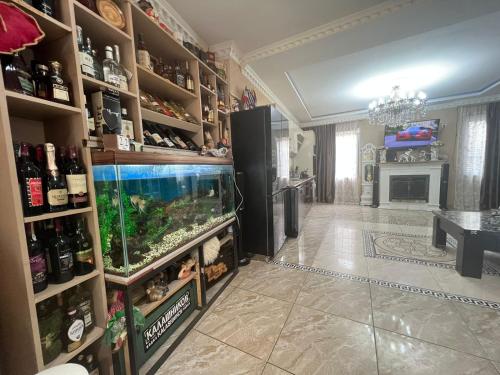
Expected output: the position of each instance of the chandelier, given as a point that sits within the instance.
(398, 108)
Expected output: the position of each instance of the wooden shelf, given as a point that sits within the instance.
(95, 84)
(156, 84)
(89, 20)
(54, 289)
(33, 108)
(209, 70)
(226, 239)
(211, 124)
(169, 151)
(53, 215)
(92, 337)
(148, 307)
(52, 28)
(161, 119)
(207, 90)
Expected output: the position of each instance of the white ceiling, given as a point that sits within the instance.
(445, 47)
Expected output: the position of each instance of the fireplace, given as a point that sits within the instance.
(409, 188)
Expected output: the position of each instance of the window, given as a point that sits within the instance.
(346, 163)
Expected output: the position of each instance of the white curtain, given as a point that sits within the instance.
(470, 151)
(346, 163)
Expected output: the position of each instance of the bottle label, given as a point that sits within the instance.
(87, 64)
(35, 192)
(86, 308)
(57, 197)
(66, 262)
(128, 129)
(85, 256)
(60, 92)
(190, 85)
(38, 269)
(123, 83)
(144, 59)
(157, 138)
(77, 184)
(169, 142)
(75, 330)
(180, 80)
(111, 78)
(26, 84)
(91, 123)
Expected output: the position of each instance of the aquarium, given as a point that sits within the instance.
(148, 211)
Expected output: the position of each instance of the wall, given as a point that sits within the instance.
(238, 82)
(448, 132)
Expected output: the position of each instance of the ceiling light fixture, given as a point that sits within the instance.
(398, 108)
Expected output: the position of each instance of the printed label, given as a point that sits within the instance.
(123, 82)
(75, 330)
(66, 262)
(128, 129)
(60, 92)
(35, 192)
(86, 308)
(38, 269)
(144, 59)
(85, 256)
(77, 184)
(169, 142)
(91, 123)
(57, 197)
(87, 64)
(157, 138)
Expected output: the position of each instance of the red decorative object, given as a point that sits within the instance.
(18, 30)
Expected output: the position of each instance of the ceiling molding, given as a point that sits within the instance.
(328, 29)
(175, 22)
(226, 50)
(434, 105)
(254, 78)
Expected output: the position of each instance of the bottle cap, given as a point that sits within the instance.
(71, 311)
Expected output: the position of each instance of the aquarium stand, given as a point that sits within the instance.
(193, 287)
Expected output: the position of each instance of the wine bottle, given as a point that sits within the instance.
(85, 54)
(143, 56)
(30, 180)
(61, 255)
(38, 264)
(74, 330)
(179, 76)
(189, 79)
(81, 299)
(76, 179)
(57, 192)
(84, 253)
(161, 131)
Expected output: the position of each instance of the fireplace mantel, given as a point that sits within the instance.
(433, 169)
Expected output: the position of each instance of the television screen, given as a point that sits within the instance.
(413, 134)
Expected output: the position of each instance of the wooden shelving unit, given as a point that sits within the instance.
(34, 120)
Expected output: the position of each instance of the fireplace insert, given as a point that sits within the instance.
(409, 188)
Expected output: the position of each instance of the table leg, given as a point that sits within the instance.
(438, 235)
(470, 255)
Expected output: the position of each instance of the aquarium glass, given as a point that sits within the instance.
(148, 211)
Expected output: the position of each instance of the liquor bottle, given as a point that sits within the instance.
(158, 139)
(45, 6)
(17, 77)
(36, 255)
(85, 53)
(175, 138)
(90, 119)
(41, 81)
(99, 74)
(110, 68)
(74, 330)
(189, 79)
(122, 74)
(30, 180)
(58, 89)
(143, 56)
(164, 134)
(84, 253)
(57, 192)
(81, 299)
(76, 179)
(61, 255)
(148, 138)
(179, 76)
(127, 125)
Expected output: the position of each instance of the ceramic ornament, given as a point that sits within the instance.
(18, 30)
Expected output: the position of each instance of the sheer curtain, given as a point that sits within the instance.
(470, 151)
(346, 163)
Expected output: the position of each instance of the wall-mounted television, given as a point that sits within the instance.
(412, 134)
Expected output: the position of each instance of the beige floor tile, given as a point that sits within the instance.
(275, 281)
(345, 298)
(399, 355)
(342, 262)
(485, 325)
(273, 370)
(201, 355)
(248, 321)
(403, 273)
(313, 342)
(253, 267)
(427, 318)
(488, 287)
(418, 230)
(497, 366)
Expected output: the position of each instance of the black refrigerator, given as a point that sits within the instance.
(261, 152)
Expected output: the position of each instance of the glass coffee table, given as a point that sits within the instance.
(475, 232)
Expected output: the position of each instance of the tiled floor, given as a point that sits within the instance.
(325, 307)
